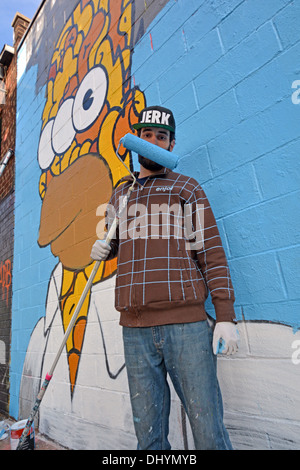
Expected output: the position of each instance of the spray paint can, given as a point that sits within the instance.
(16, 431)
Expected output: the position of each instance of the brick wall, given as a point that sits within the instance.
(7, 197)
(8, 129)
(6, 267)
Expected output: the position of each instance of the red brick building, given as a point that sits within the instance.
(8, 91)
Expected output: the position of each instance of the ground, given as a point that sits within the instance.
(41, 441)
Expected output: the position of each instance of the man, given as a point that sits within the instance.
(169, 256)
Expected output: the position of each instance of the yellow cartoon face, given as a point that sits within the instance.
(90, 105)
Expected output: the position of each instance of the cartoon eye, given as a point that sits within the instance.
(89, 99)
(45, 151)
(63, 132)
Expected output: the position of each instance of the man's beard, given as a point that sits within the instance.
(149, 164)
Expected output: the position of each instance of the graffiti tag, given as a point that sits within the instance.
(5, 279)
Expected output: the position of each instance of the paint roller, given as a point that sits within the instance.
(158, 155)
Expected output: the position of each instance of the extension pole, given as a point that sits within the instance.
(5, 160)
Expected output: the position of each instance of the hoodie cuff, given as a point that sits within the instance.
(224, 311)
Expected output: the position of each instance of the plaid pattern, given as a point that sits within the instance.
(161, 278)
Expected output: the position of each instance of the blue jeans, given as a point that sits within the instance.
(184, 351)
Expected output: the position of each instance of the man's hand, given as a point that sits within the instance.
(225, 339)
(100, 250)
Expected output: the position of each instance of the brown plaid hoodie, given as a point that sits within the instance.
(169, 253)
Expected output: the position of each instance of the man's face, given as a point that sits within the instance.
(157, 136)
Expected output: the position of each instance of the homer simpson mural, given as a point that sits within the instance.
(90, 105)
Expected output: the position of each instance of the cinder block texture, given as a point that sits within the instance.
(227, 70)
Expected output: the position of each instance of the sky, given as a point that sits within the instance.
(8, 9)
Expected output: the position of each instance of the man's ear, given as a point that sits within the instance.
(172, 145)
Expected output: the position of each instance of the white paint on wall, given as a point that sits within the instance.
(260, 387)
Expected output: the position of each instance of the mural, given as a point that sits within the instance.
(90, 105)
(82, 79)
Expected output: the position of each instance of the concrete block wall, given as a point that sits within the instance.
(228, 71)
(228, 75)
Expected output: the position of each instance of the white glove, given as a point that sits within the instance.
(100, 250)
(225, 339)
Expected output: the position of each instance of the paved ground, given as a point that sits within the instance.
(41, 442)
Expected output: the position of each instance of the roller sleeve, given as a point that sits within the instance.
(152, 152)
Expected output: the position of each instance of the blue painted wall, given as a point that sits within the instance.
(226, 69)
